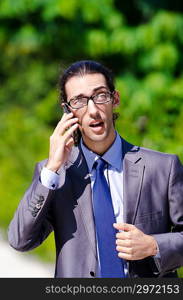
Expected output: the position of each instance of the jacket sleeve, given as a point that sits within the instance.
(32, 222)
(171, 244)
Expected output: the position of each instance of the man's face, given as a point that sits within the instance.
(95, 120)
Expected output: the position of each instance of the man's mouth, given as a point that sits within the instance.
(96, 124)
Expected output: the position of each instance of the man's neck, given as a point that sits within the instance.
(100, 147)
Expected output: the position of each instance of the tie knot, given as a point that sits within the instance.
(100, 164)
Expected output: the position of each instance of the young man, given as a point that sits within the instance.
(116, 209)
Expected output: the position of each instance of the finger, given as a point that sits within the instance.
(126, 250)
(123, 235)
(63, 127)
(124, 226)
(64, 118)
(68, 134)
(67, 124)
(124, 242)
(70, 143)
(125, 256)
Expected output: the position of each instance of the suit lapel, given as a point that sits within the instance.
(79, 165)
(133, 168)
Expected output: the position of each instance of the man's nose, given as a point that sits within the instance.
(92, 107)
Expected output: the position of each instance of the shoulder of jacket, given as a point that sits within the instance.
(155, 153)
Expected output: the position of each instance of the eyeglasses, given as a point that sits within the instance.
(100, 98)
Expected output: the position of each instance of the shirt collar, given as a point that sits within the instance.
(113, 156)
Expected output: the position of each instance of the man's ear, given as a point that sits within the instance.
(116, 99)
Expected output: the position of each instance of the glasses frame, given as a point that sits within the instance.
(92, 97)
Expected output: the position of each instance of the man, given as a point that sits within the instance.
(140, 209)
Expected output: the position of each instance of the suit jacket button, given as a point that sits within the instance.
(38, 205)
(92, 274)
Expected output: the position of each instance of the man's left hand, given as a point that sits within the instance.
(132, 243)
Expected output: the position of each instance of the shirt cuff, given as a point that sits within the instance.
(49, 178)
(158, 252)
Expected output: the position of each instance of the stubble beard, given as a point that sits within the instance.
(99, 141)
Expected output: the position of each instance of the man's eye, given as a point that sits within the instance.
(81, 100)
(74, 101)
(101, 96)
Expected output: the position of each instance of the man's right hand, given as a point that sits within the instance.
(61, 142)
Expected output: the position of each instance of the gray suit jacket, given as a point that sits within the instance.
(153, 201)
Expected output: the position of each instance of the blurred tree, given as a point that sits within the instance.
(141, 41)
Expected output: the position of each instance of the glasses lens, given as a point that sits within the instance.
(78, 102)
(102, 97)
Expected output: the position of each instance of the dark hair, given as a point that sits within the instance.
(81, 68)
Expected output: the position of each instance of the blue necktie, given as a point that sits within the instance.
(110, 264)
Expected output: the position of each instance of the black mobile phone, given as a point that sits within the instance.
(66, 109)
(75, 133)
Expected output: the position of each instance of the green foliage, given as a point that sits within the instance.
(141, 41)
